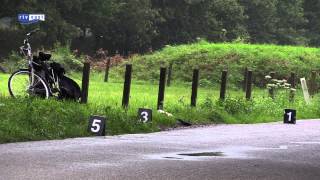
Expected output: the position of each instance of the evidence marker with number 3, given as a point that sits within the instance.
(289, 116)
(145, 115)
(97, 125)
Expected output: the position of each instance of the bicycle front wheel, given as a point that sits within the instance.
(21, 84)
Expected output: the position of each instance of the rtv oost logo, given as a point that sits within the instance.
(30, 18)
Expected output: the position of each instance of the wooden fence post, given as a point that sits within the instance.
(293, 85)
(85, 82)
(195, 84)
(245, 73)
(313, 83)
(106, 76)
(127, 86)
(293, 80)
(249, 85)
(162, 85)
(223, 86)
(271, 90)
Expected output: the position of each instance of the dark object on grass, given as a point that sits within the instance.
(44, 56)
(69, 89)
(57, 69)
(183, 123)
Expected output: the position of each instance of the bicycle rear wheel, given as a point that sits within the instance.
(20, 85)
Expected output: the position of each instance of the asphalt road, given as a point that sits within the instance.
(262, 151)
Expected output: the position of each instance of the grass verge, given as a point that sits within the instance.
(37, 119)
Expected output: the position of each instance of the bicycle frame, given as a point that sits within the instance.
(27, 51)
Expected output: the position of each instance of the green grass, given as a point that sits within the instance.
(212, 58)
(36, 119)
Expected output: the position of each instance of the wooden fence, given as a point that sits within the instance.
(166, 80)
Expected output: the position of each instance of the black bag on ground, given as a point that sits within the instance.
(57, 69)
(69, 89)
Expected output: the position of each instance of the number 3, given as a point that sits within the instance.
(95, 125)
(145, 116)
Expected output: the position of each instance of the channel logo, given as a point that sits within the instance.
(30, 18)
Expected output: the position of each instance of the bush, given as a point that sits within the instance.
(60, 54)
(212, 58)
(236, 105)
(13, 62)
(63, 55)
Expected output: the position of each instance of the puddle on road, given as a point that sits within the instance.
(201, 154)
(204, 154)
(232, 152)
(173, 158)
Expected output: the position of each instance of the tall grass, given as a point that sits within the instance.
(212, 58)
(36, 119)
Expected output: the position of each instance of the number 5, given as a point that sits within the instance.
(95, 125)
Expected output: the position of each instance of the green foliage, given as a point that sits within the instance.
(212, 58)
(137, 26)
(236, 105)
(60, 54)
(312, 14)
(185, 21)
(63, 55)
(36, 119)
(13, 62)
(291, 22)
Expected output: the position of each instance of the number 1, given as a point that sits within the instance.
(289, 116)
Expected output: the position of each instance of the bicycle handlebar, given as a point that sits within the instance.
(26, 46)
(32, 32)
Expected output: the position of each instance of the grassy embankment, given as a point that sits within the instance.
(34, 119)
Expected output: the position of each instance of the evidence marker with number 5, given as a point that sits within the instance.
(289, 116)
(97, 125)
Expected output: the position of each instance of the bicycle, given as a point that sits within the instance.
(42, 78)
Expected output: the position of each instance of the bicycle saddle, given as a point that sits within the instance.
(44, 57)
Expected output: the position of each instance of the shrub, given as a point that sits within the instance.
(212, 58)
(63, 55)
(13, 62)
(236, 105)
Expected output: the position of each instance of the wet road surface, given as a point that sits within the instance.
(261, 151)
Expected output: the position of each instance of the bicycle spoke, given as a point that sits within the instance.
(20, 87)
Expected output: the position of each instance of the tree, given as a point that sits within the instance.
(312, 14)
(262, 20)
(184, 21)
(291, 22)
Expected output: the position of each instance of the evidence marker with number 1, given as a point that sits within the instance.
(289, 116)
